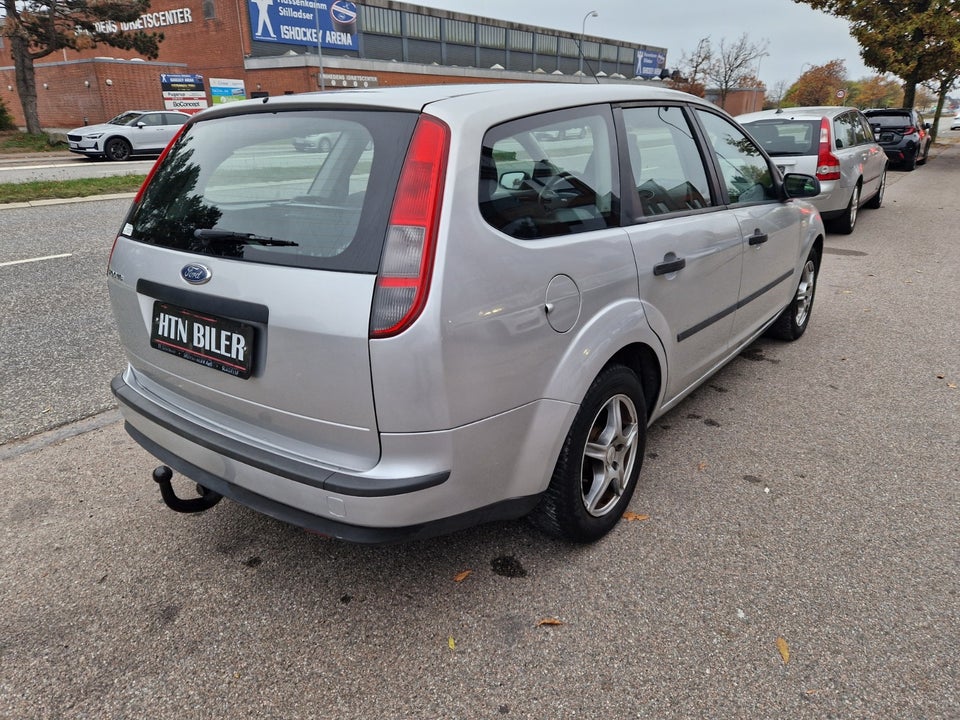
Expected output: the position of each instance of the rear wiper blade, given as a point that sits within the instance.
(239, 238)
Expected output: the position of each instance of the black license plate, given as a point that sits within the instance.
(886, 137)
(216, 342)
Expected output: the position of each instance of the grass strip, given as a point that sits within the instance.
(18, 142)
(63, 189)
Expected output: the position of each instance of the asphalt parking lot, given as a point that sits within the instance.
(793, 552)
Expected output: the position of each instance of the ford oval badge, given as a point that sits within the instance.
(196, 274)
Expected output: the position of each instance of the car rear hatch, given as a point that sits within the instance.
(793, 144)
(243, 277)
(889, 129)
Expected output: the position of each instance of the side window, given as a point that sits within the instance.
(173, 119)
(843, 136)
(865, 128)
(745, 171)
(665, 164)
(551, 174)
(152, 119)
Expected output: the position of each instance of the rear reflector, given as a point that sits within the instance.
(407, 262)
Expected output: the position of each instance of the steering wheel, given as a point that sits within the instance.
(564, 190)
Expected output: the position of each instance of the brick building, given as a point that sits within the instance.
(251, 48)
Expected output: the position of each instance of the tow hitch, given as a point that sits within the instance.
(207, 499)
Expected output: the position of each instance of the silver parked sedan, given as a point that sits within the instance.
(470, 308)
(834, 143)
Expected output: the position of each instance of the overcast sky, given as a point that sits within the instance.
(797, 34)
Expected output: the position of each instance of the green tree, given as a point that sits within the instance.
(913, 39)
(6, 122)
(37, 28)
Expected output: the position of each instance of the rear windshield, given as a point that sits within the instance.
(897, 120)
(300, 188)
(786, 137)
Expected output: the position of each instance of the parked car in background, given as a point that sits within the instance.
(446, 320)
(315, 142)
(834, 143)
(903, 134)
(130, 133)
(955, 123)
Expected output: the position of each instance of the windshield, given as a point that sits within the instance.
(244, 177)
(127, 118)
(786, 137)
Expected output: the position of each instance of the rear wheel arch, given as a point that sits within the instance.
(642, 359)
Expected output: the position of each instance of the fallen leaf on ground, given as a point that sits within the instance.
(631, 516)
(549, 621)
(461, 576)
(952, 386)
(702, 466)
(784, 650)
(451, 643)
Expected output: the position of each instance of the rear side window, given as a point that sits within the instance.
(783, 138)
(744, 169)
(551, 174)
(239, 187)
(665, 163)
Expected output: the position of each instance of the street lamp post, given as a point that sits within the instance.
(583, 30)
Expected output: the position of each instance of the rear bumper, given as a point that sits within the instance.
(380, 506)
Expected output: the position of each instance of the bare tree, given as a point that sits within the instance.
(692, 69)
(734, 63)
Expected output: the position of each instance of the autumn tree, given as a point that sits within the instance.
(913, 39)
(37, 28)
(733, 64)
(692, 69)
(818, 85)
(879, 91)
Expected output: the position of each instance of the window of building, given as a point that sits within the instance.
(627, 55)
(569, 47)
(459, 32)
(424, 27)
(591, 49)
(521, 40)
(492, 37)
(546, 44)
(380, 20)
(209, 9)
(608, 52)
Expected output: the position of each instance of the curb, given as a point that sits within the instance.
(66, 201)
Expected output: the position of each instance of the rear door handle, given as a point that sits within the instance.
(758, 238)
(669, 265)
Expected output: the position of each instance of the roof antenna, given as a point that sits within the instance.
(583, 59)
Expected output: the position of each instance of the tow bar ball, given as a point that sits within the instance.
(207, 499)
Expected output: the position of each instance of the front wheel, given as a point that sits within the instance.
(117, 149)
(599, 464)
(794, 319)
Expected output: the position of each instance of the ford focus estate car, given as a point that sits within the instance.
(834, 143)
(469, 309)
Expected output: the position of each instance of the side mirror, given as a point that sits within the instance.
(927, 126)
(513, 180)
(141, 124)
(796, 185)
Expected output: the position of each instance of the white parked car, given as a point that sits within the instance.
(470, 308)
(130, 133)
(834, 143)
(955, 123)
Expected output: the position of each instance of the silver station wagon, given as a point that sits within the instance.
(470, 308)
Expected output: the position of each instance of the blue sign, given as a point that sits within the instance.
(330, 24)
(650, 63)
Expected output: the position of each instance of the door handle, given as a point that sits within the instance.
(758, 238)
(671, 263)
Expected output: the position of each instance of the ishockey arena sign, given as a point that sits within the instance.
(305, 22)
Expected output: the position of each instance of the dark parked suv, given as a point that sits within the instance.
(903, 135)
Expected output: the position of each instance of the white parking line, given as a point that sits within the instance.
(36, 259)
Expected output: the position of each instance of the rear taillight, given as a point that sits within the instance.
(408, 252)
(911, 130)
(828, 166)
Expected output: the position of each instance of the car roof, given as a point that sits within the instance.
(813, 112)
(505, 98)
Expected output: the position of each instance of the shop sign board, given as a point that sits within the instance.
(331, 24)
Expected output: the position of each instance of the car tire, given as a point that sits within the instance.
(323, 145)
(848, 221)
(596, 473)
(877, 200)
(117, 149)
(926, 155)
(793, 321)
(911, 164)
